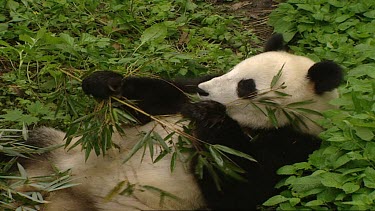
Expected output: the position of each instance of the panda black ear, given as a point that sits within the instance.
(275, 43)
(326, 76)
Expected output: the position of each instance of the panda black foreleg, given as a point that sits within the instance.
(214, 126)
(153, 95)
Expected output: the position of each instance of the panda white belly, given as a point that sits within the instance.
(99, 176)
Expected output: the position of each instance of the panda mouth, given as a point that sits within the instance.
(201, 92)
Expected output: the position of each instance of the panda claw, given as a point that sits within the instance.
(206, 113)
(102, 84)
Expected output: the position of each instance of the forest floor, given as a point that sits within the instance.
(257, 11)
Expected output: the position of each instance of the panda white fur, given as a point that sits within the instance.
(98, 176)
(294, 72)
(224, 116)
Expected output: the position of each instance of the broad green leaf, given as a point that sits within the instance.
(27, 38)
(364, 69)
(364, 133)
(67, 38)
(337, 139)
(350, 188)
(40, 34)
(341, 161)
(370, 14)
(12, 5)
(286, 170)
(314, 203)
(287, 206)
(342, 18)
(369, 151)
(294, 201)
(156, 31)
(328, 195)
(275, 200)
(307, 183)
(12, 115)
(302, 165)
(307, 7)
(333, 180)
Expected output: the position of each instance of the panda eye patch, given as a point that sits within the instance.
(246, 88)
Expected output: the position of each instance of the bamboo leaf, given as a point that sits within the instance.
(64, 186)
(22, 171)
(137, 146)
(228, 171)
(160, 156)
(233, 152)
(258, 108)
(198, 168)
(309, 111)
(271, 115)
(291, 120)
(169, 136)
(301, 103)
(269, 102)
(162, 192)
(161, 141)
(31, 198)
(114, 114)
(88, 149)
(124, 116)
(212, 172)
(283, 94)
(299, 120)
(116, 190)
(216, 156)
(150, 144)
(128, 190)
(276, 78)
(173, 161)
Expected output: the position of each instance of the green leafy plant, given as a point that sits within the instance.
(339, 175)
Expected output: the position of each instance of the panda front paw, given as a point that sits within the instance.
(205, 113)
(102, 84)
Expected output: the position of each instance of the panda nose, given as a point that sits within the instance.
(201, 92)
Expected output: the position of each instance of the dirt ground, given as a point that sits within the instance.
(256, 10)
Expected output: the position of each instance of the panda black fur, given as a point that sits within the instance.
(224, 117)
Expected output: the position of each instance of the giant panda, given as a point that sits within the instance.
(224, 115)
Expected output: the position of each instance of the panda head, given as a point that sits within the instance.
(246, 89)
